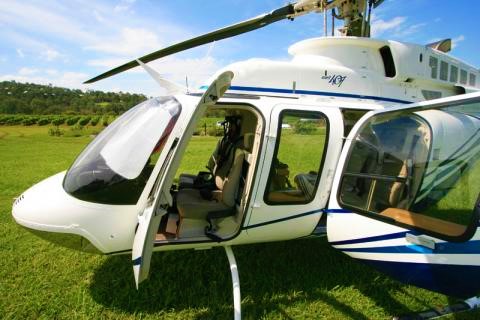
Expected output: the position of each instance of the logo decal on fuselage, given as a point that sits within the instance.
(335, 80)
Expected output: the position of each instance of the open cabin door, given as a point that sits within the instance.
(160, 199)
(406, 194)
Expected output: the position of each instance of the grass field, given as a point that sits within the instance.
(303, 279)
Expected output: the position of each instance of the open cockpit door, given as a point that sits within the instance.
(406, 194)
(160, 197)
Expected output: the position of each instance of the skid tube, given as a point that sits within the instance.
(237, 307)
(469, 304)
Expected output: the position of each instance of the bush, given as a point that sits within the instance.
(94, 121)
(55, 131)
(58, 121)
(30, 121)
(214, 131)
(72, 120)
(304, 127)
(43, 121)
(14, 120)
(84, 120)
(75, 131)
(105, 121)
(3, 119)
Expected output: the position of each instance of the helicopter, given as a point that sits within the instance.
(372, 143)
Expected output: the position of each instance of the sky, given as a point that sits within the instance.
(67, 42)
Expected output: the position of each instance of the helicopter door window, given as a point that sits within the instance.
(298, 157)
(418, 169)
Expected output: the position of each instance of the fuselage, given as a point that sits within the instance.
(325, 73)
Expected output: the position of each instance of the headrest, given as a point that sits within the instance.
(248, 139)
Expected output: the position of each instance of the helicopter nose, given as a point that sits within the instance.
(49, 212)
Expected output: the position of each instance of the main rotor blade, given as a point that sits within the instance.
(223, 33)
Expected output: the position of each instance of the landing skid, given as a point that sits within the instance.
(235, 283)
(469, 304)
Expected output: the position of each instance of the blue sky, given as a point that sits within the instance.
(68, 42)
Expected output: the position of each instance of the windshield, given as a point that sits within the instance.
(116, 165)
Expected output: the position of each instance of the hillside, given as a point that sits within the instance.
(29, 98)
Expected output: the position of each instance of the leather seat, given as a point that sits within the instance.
(192, 205)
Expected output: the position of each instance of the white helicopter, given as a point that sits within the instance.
(339, 141)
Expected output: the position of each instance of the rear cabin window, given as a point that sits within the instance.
(443, 70)
(388, 62)
(298, 158)
(418, 169)
(472, 80)
(453, 74)
(433, 63)
(463, 77)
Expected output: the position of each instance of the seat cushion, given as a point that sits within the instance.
(186, 180)
(191, 205)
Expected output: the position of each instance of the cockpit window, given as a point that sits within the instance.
(115, 167)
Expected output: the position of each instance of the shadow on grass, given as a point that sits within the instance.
(273, 276)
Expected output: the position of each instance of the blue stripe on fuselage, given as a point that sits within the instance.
(311, 92)
(469, 247)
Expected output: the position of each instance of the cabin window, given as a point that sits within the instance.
(388, 62)
(298, 158)
(418, 170)
(443, 70)
(472, 80)
(453, 74)
(463, 77)
(434, 67)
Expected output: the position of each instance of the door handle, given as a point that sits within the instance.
(420, 240)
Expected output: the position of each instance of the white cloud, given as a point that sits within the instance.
(457, 40)
(50, 54)
(33, 47)
(404, 31)
(196, 69)
(66, 79)
(107, 63)
(44, 19)
(131, 41)
(27, 71)
(98, 16)
(380, 26)
(20, 53)
(175, 69)
(124, 5)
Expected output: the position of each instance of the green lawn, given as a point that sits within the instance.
(304, 279)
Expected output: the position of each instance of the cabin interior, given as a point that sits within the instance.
(209, 204)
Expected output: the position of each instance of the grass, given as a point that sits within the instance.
(303, 279)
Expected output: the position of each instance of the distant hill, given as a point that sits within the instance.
(29, 98)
